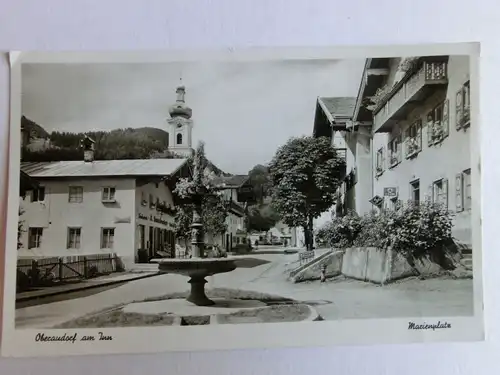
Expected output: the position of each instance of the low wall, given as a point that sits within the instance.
(371, 264)
(383, 265)
(312, 271)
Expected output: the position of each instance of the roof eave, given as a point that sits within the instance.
(321, 127)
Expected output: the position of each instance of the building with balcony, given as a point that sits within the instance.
(332, 117)
(408, 137)
(99, 207)
(237, 192)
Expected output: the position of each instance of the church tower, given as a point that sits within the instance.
(180, 125)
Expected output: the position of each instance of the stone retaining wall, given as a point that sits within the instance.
(375, 265)
(369, 264)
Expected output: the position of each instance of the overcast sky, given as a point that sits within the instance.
(243, 111)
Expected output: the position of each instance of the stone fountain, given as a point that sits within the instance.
(198, 267)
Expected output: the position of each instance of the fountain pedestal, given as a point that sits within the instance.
(196, 269)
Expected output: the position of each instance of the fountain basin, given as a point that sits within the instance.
(196, 269)
(193, 267)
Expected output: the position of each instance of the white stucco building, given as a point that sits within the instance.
(98, 207)
(411, 139)
(236, 191)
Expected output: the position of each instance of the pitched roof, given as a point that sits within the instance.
(103, 168)
(338, 106)
(231, 181)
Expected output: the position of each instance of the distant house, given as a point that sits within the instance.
(237, 191)
(96, 207)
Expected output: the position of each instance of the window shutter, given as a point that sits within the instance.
(41, 196)
(459, 192)
(459, 111)
(382, 157)
(399, 145)
(430, 128)
(419, 134)
(446, 116)
(406, 142)
(445, 190)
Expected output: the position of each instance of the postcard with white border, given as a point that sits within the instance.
(242, 199)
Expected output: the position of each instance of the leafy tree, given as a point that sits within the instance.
(262, 218)
(305, 175)
(214, 209)
(260, 180)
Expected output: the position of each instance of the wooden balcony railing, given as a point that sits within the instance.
(415, 87)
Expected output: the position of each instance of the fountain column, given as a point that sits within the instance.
(198, 266)
(197, 235)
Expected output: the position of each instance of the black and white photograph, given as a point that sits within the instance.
(242, 197)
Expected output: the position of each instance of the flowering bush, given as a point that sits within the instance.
(373, 230)
(341, 231)
(419, 229)
(413, 230)
(214, 209)
(407, 63)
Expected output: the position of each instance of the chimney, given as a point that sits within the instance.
(87, 144)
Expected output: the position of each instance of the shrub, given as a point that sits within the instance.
(413, 230)
(373, 231)
(341, 231)
(419, 229)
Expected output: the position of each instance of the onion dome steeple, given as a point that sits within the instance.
(180, 109)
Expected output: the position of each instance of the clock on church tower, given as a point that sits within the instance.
(180, 125)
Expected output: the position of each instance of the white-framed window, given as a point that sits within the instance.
(440, 192)
(462, 102)
(415, 191)
(413, 139)
(463, 191)
(75, 194)
(379, 167)
(34, 237)
(438, 123)
(108, 194)
(74, 237)
(38, 194)
(107, 238)
(394, 150)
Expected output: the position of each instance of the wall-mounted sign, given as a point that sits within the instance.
(390, 192)
(156, 219)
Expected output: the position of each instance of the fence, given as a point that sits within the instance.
(306, 256)
(66, 268)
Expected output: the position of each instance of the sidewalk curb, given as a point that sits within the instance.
(92, 286)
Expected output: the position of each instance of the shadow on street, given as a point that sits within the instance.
(66, 296)
(264, 252)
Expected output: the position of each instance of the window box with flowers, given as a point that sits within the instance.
(414, 139)
(165, 208)
(438, 124)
